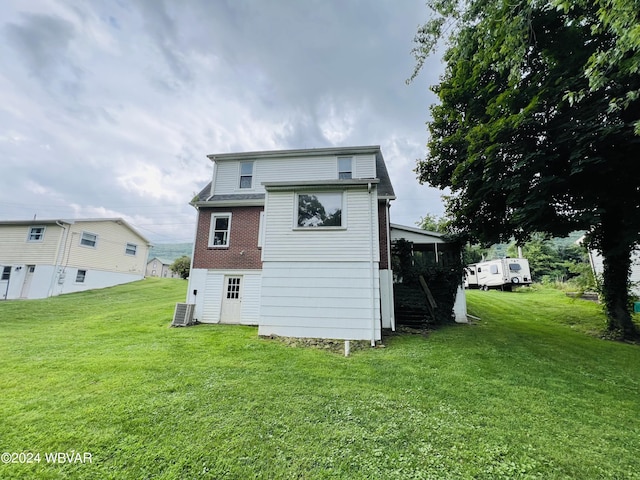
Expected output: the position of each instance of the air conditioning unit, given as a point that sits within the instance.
(183, 315)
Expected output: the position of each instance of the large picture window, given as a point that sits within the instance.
(319, 210)
(220, 230)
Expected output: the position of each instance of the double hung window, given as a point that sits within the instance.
(246, 174)
(36, 234)
(88, 239)
(345, 168)
(131, 249)
(220, 230)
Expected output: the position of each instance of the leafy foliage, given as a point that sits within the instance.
(442, 277)
(181, 266)
(520, 150)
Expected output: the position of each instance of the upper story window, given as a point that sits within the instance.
(131, 249)
(319, 210)
(246, 174)
(345, 167)
(88, 239)
(36, 234)
(220, 230)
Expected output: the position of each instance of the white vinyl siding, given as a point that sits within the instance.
(109, 254)
(324, 300)
(17, 250)
(283, 242)
(287, 169)
(211, 283)
(364, 166)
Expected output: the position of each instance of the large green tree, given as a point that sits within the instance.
(534, 131)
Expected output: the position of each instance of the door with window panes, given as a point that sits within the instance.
(231, 300)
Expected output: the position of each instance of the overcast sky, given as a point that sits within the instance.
(109, 108)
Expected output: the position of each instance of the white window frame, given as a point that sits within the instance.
(95, 241)
(343, 210)
(39, 237)
(261, 230)
(81, 279)
(250, 176)
(131, 246)
(343, 171)
(212, 230)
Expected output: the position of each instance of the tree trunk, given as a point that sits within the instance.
(616, 254)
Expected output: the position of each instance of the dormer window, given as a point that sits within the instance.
(345, 168)
(246, 174)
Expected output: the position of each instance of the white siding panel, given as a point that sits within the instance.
(16, 250)
(251, 299)
(214, 290)
(227, 179)
(197, 281)
(284, 243)
(300, 299)
(365, 166)
(214, 284)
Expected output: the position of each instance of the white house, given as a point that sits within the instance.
(44, 258)
(598, 268)
(158, 267)
(296, 242)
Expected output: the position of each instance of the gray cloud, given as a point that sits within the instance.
(110, 108)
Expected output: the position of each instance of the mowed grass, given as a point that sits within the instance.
(522, 393)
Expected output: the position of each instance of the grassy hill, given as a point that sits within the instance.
(525, 392)
(171, 251)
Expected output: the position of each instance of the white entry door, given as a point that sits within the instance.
(231, 300)
(27, 281)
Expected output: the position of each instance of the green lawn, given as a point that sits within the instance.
(522, 393)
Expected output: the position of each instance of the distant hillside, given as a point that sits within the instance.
(171, 251)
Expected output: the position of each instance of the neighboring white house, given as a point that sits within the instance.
(296, 242)
(44, 258)
(432, 247)
(596, 265)
(158, 267)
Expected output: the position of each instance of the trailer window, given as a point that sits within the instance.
(494, 268)
(515, 267)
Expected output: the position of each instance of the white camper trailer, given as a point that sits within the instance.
(503, 273)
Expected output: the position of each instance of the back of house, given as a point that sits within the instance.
(296, 242)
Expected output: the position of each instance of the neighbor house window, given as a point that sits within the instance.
(345, 169)
(220, 230)
(36, 234)
(88, 239)
(246, 174)
(6, 273)
(319, 210)
(80, 276)
(131, 249)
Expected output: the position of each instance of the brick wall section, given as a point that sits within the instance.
(382, 235)
(245, 224)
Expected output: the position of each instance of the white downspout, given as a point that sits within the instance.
(371, 268)
(62, 246)
(391, 305)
